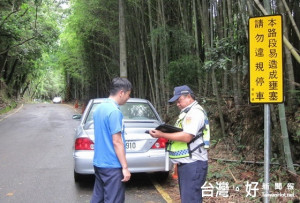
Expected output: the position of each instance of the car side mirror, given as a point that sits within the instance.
(77, 116)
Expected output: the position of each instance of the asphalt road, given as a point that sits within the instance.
(36, 162)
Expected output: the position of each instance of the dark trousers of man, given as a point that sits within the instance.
(191, 178)
(108, 187)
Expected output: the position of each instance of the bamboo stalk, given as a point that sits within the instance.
(235, 180)
(291, 18)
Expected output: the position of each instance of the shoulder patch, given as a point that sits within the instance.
(188, 120)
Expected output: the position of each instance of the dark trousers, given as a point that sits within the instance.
(191, 178)
(108, 187)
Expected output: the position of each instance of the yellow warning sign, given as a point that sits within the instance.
(265, 52)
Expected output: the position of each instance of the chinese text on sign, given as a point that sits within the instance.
(265, 51)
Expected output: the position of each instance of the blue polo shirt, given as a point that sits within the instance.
(107, 121)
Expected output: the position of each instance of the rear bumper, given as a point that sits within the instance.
(151, 161)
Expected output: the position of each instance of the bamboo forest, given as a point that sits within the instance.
(74, 48)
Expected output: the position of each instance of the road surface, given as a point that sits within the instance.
(36, 162)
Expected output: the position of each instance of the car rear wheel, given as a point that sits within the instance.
(77, 177)
(162, 176)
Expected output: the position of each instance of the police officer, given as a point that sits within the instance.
(186, 148)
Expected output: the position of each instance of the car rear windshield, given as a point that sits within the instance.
(131, 111)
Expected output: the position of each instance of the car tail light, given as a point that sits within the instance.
(160, 143)
(84, 144)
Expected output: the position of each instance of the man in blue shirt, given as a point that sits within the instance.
(111, 170)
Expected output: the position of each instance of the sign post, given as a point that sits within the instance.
(266, 75)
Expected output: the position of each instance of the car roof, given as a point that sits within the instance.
(129, 100)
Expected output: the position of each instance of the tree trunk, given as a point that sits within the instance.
(183, 16)
(153, 52)
(224, 34)
(285, 138)
(123, 60)
(291, 99)
(291, 19)
(214, 82)
(164, 61)
(244, 16)
(276, 136)
(148, 74)
(200, 84)
(234, 67)
(10, 76)
(207, 43)
(239, 78)
(4, 59)
(267, 6)
(204, 20)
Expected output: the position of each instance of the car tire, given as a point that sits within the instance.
(162, 176)
(77, 177)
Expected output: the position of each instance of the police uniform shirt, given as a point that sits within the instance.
(191, 124)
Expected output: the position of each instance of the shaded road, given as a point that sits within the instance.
(36, 162)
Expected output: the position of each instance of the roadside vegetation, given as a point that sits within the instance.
(6, 104)
(72, 49)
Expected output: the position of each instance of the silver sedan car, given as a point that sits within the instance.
(143, 152)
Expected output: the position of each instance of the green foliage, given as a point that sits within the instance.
(214, 142)
(296, 137)
(219, 174)
(8, 108)
(49, 79)
(88, 44)
(29, 29)
(183, 71)
(181, 42)
(6, 104)
(217, 55)
(213, 174)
